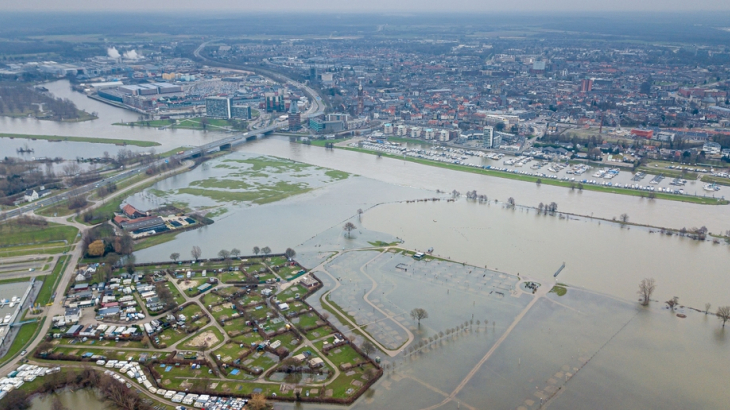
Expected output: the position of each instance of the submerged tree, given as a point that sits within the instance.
(723, 313)
(175, 256)
(367, 347)
(646, 288)
(418, 314)
(256, 250)
(348, 228)
(196, 252)
(673, 302)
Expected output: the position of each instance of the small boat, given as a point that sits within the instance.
(711, 187)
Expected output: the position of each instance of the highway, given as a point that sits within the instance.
(316, 106)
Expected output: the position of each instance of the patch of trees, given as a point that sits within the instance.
(77, 202)
(101, 241)
(31, 220)
(18, 99)
(105, 190)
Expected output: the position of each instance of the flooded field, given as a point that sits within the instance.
(488, 341)
(544, 350)
(77, 400)
(243, 179)
(288, 222)
(598, 255)
(671, 214)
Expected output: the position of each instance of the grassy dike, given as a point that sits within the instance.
(548, 181)
(82, 139)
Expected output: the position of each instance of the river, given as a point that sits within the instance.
(671, 214)
(101, 127)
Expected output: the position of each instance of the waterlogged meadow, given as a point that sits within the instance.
(237, 179)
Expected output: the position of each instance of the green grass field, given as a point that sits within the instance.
(25, 335)
(151, 241)
(50, 281)
(211, 124)
(14, 234)
(82, 139)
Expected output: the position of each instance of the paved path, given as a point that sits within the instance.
(541, 292)
(355, 326)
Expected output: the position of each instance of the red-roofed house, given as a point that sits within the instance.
(132, 212)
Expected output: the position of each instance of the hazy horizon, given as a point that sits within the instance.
(378, 6)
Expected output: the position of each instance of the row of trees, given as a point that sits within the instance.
(225, 254)
(648, 285)
(552, 207)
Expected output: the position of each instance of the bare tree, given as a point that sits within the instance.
(224, 254)
(196, 252)
(235, 252)
(359, 214)
(71, 169)
(174, 256)
(511, 202)
(367, 347)
(646, 288)
(723, 313)
(266, 250)
(256, 250)
(624, 218)
(418, 314)
(348, 228)
(672, 303)
(707, 307)
(290, 253)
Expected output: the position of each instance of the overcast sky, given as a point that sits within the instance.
(375, 6)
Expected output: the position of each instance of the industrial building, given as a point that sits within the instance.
(295, 118)
(226, 108)
(218, 107)
(320, 125)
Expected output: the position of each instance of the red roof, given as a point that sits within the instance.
(129, 209)
(120, 219)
